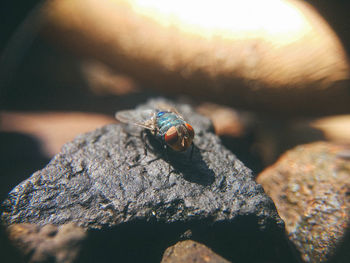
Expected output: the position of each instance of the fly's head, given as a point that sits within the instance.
(179, 137)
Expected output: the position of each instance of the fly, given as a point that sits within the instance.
(165, 123)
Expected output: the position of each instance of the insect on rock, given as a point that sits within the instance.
(165, 123)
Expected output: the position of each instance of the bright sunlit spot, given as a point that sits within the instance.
(231, 19)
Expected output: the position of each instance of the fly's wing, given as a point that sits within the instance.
(142, 118)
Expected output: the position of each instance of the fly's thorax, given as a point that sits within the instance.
(165, 120)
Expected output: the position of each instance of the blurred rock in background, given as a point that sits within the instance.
(191, 251)
(268, 56)
(310, 186)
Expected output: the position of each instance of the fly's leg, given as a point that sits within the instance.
(193, 146)
(153, 150)
(191, 154)
(143, 137)
(199, 148)
(147, 147)
(167, 157)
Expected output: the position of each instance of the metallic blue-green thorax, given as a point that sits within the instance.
(165, 120)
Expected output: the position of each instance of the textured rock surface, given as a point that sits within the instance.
(310, 186)
(107, 182)
(191, 252)
(48, 243)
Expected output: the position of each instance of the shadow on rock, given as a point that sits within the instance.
(189, 163)
(193, 168)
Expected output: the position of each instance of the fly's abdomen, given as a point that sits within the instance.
(165, 120)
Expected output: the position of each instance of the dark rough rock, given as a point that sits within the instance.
(48, 243)
(310, 186)
(191, 252)
(139, 200)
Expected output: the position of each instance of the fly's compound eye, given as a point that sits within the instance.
(171, 136)
(190, 130)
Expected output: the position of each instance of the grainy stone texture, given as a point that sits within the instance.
(48, 243)
(191, 252)
(129, 195)
(310, 186)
